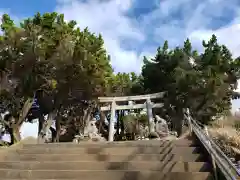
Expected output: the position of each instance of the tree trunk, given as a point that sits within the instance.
(121, 123)
(17, 134)
(14, 135)
(40, 123)
(101, 123)
(58, 127)
(118, 122)
(87, 117)
(54, 134)
(102, 126)
(178, 122)
(10, 131)
(17, 123)
(24, 112)
(40, 127)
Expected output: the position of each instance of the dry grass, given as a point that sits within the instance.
(226, 134)
(230, 121)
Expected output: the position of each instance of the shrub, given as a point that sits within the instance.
(237, 125)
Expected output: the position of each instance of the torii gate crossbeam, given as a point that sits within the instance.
(113, 107)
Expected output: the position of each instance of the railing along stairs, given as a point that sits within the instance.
(219, 159)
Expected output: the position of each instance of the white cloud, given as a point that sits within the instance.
(29, 129)
(196, 20)
(172, 20)
(177, 20)
(109, 19)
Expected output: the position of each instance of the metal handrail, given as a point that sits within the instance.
(223, 162)
(217, 148)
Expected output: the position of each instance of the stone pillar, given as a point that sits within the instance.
(150, 115)
(111, 123)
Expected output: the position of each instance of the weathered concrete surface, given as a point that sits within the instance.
(140, 160)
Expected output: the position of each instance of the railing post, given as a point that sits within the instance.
(212, 157)
(150, 115)
(111, 123)
(189, 120)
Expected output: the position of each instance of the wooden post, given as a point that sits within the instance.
(212, 157)
(150, 115)
(111, 123)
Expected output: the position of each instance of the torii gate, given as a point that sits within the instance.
(113, 107)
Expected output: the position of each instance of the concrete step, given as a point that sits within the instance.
(158, 143)
(102, 157)
(104, 175)
(112, 150)
(189, 176)
(167, 166)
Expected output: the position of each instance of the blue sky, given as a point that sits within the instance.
(134, 28)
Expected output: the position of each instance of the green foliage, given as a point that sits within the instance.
(66, 68)
(135, 120)
(129, 117)
(139, 118)
(53, 61)
(125, 84)
(206, 86)
(142, 119)
(130, 123)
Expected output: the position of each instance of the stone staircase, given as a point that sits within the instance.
(136, 160)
